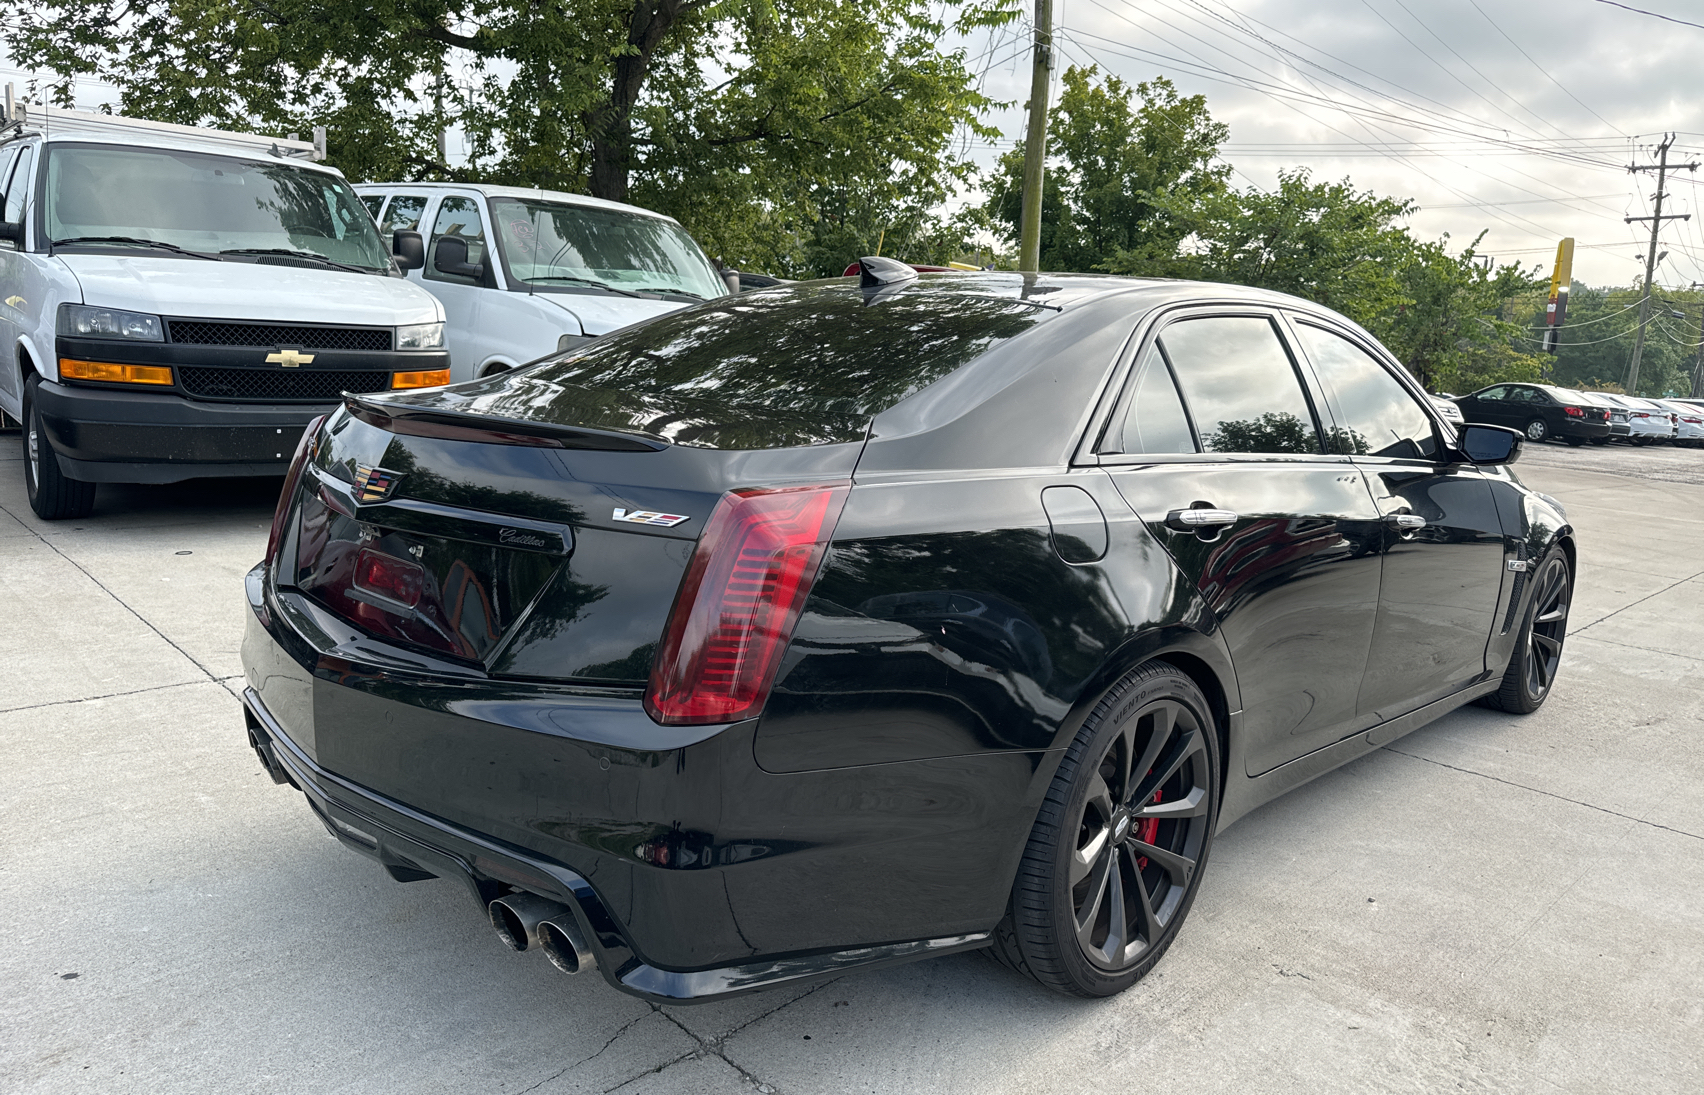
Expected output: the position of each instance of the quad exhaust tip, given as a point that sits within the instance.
(525, 920)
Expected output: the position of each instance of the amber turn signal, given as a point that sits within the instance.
(113, 373)
(424, 378)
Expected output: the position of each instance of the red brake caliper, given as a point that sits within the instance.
(1146, 830)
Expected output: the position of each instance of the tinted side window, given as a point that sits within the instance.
(404, 212)
(1155, 421)
(18, 188)
(1240, 385)
(456, 217)
(1376, 414)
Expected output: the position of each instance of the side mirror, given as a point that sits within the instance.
(450, 257)
(731, 278)
(12, 231)
(1489, 444)
(409, 249)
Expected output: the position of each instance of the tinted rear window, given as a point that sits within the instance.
(822, 348)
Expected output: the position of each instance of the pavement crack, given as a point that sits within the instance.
(51, 546)
(623, 1029)
(103, 696)
(1640, 601)
(692, 1056)
(1641, 649)
(1541, 791)
(713, 1045)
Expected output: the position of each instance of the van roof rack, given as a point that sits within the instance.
(57, 121)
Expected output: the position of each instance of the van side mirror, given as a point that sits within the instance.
(1489, 444)
(409, 249)
(450, 257)
(12, 231)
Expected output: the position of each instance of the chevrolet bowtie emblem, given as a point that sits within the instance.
(289, 359)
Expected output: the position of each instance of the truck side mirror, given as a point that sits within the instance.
(450, 257)
(409, 249)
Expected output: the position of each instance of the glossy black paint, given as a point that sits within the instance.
(1521, 406)
(991, 576)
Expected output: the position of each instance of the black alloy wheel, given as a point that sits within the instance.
(52, 495)
(1536, 430)
(1117, 852)
(1538, 652)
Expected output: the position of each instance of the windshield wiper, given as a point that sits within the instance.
(300, 255)
(593, 282)
(665, 292)
(139, 242)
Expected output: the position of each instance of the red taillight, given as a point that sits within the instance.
(1574, 412)
(398, 579)
(304, 450)
(738, 604)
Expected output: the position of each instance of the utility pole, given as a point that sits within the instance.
(1661, 168)
(1035, 143)
(1698, 367)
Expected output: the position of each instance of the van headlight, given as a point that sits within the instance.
(420, 336)
(83, 321)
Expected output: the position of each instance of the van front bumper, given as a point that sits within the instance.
(101, 435)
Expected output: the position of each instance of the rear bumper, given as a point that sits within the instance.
(1571, 427)
(694, 874)
(104, 436)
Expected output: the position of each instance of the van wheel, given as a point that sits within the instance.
(53, 495)
(496, 368)
(1118, 849)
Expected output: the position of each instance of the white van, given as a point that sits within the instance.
(523, 273)
(180, 302)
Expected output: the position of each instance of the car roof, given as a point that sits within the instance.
(79, 127)
(491, 190)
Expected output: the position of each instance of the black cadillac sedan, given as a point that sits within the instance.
(851, 622)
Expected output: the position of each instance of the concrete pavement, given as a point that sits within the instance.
(1492, 903)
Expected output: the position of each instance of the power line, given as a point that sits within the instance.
(1652, 14)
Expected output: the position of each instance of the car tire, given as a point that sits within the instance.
(53, 495)
(1631, 440)
(1113, 863)
(1537, 430)
(1600, 440)
(1574, 442)
(1537, 656)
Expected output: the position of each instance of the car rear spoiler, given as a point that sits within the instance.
(492, 430)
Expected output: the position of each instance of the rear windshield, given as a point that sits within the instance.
(817, 348)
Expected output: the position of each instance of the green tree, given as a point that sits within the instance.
(1123, 161)
(764, 125)
(1596, 342)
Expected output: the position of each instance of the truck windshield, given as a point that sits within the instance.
(555, 245)
(207, 203)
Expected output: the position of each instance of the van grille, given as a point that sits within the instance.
(201, 332)
(274, 385)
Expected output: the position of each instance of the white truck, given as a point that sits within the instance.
(179, 302)
(523, 273)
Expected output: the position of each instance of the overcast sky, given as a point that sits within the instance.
(1506, 115)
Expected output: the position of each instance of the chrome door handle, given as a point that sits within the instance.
(1405, 522)
(1199, 520)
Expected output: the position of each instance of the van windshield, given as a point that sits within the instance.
(207, 203)
(555, 245)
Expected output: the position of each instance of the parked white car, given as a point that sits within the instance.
(179, 302)
(1689, 419)
(1647, 422)
(523, 273)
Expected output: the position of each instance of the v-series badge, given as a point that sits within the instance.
(650, 517)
